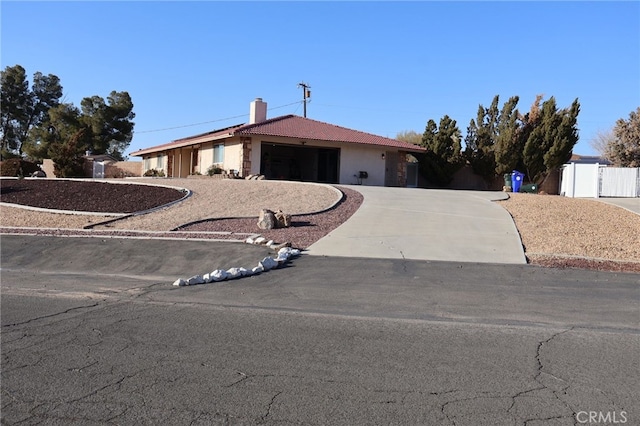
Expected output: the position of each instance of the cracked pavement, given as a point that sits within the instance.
(324, 341)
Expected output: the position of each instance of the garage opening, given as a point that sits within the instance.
(302, 163)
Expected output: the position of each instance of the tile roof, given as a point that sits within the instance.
(293, 126)
(290, 126)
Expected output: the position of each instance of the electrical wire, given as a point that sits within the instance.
(211, 121)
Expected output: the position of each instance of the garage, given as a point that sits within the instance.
(301, 163)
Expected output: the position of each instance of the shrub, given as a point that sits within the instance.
(214, 170)
(16, 167)
(154, 173)
(117, 172)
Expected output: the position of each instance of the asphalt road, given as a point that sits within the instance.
(94, 333)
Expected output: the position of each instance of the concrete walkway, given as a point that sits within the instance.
(426, 224)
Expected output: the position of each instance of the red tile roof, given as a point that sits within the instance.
(291, 126)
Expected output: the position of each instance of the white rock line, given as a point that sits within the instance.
(284, 255)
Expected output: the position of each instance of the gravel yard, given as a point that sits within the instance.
(561, 231)
(556, 231)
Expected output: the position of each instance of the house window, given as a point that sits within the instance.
(147, 163)
(160, 162)
(218, 153)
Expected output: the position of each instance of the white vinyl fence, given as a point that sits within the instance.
(98, 169)
(595, 180)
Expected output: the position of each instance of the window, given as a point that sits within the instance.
(218, 153)
(147, 163)
(160, 162)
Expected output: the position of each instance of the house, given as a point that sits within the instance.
(100, 166)
(288, 147)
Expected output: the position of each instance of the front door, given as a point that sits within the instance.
(391, 168)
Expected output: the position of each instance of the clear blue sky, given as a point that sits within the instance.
(379, 67)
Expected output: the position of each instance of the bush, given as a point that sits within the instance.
(154, 173)
(214, 170)
(117, 172)
(16, 167)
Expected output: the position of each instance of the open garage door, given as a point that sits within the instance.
(303, 163)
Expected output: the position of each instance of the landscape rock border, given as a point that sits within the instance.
(285, 254)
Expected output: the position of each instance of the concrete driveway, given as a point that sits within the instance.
(426, 224)
(631, 204)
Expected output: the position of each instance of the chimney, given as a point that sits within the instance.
(258, 111)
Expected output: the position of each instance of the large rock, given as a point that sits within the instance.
(267, 219)
(283, 220)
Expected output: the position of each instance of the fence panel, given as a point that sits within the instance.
(619, 182)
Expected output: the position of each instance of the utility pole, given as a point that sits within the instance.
(306, 94)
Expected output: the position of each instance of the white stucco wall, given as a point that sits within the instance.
(151, 162)
(206, 158)
(232, 154)
(354, 159)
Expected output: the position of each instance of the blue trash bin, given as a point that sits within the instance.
(516, 180)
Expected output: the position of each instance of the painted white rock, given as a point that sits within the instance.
(218, 275)
(180, 282)
(233, 273)
(194, 280)
(269, 263)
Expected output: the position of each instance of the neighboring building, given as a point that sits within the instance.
(288, 147)
(100, 166)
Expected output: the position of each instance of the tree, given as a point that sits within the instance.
(410, 136)
(28, 114)
(24, 109)
(480, 141)
(108, 126)
(623, 150)
(443, 157)
(551, 141)
(62, 124)
(508, 145)
(67, 155)
(110, 123)
(601, 140)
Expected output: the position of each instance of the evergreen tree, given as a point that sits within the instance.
(443, 157)
(480, 141)
(67, 155)
(508, 145)
(551, 140)
(24, 109)
(29, 113)
(110, 123)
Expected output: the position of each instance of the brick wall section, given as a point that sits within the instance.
(246, 157)
(402, 168)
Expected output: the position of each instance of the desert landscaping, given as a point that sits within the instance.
(555, 231)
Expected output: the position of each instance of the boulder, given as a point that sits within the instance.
(283, 219)
(266, 219)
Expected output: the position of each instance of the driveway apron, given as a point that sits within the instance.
(426, 224)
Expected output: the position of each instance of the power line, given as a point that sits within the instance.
(211, 121)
